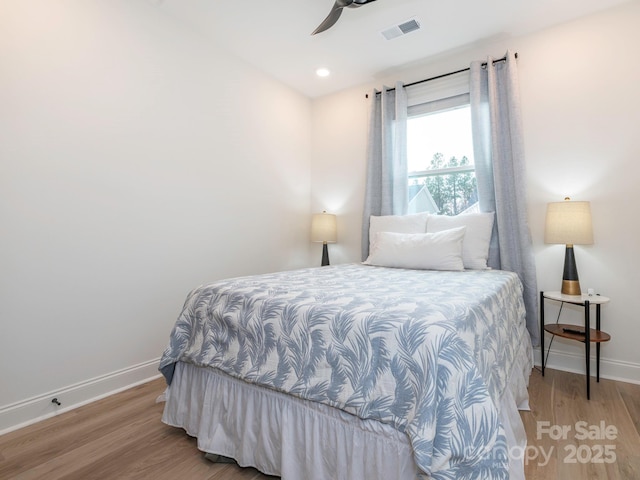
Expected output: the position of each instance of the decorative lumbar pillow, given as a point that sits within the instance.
(475, 247)
(415, 223)
(418, 251)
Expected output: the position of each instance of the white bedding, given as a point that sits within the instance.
(298, 439)
(441, 358)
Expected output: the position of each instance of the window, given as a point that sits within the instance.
(440, 159)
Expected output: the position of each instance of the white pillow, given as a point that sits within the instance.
(475, 247)
(415, 223)
(419, 251)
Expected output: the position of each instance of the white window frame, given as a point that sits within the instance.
(439, 95)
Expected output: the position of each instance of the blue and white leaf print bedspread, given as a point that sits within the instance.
(428, 352)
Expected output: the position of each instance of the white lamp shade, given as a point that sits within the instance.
(569, 223)
(323, 228)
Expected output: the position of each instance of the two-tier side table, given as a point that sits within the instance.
(584, 334)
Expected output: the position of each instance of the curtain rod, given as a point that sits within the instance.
(503, 59)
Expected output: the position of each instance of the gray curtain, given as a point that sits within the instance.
(500, 173)
(386, 189)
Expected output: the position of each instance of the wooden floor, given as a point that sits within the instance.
(588, 439)
(122, 437)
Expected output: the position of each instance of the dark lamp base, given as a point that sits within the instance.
(570, 282)
(325, 255)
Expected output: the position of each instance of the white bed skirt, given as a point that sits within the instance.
(297, 439)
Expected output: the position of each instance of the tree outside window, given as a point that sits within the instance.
(441, 183)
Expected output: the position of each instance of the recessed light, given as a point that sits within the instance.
(323, 72)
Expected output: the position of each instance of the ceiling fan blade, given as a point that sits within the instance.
(336, 11)
(331, 19)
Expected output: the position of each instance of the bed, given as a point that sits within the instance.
(355, 371)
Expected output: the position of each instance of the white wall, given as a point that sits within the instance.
(337, 172)
(135, 164)
(581, 111)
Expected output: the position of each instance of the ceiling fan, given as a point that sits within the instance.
(336, 11)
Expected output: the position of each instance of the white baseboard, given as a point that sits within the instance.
(35, 409)
(38, 408)
(575, 363)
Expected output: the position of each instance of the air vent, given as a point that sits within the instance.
(403, 28)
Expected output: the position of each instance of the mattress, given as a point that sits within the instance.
(439, 359)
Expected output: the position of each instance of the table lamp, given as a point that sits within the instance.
(323, 229)
(569, 223)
